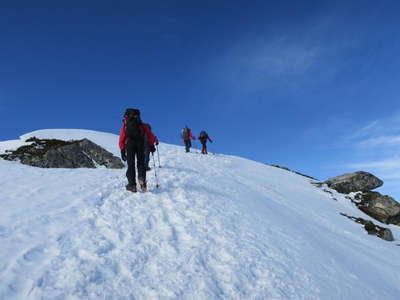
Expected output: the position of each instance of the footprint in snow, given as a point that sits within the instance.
(34, 254)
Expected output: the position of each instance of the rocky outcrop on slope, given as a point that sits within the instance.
(354, 182)
(53, 153)
(371, 228)
(381, 207)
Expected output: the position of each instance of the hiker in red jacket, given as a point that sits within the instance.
(203, 138)
(186, 136)
(134, 134)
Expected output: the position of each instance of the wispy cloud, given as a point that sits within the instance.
(380, 165)
(256, 64)
(376, 146)
(384, 132)
(293, 58)
(381, 141)
(388, 126)
(366, 130)
(280, 57)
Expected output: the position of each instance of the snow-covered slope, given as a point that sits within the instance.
(218, 227)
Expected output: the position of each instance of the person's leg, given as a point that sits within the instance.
(141, 165)
(147, 157)
(187, 145)
(203, 148)
(130, 159)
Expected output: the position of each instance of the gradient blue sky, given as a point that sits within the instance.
(312, 85)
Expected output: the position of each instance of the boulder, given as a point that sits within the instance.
(394, 220)
(354, 182)
(69, 156)
(386, 234)
(372, 229)
(381, 207)
(52, 153)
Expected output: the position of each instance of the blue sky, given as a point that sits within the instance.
(312, 85)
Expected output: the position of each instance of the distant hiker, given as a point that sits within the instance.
(149, 148)
(203, 137)
(186, 136)
(132, 139)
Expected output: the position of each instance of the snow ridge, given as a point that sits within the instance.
(219, 227)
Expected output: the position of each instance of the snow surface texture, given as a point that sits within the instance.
(219, 227)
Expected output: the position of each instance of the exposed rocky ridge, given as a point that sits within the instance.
(53, 153)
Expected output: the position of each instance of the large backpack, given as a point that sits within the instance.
(134, 130)
(203, 135)
(185, 133)
(131, 112)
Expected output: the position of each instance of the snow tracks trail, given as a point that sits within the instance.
(179, 241)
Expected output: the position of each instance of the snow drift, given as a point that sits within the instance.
(218, 227)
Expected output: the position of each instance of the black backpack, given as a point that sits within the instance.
(134, 130)
(130, 112)
(203, 135)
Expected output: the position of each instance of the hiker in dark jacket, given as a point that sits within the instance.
(131, 142)
(186, 136)
(148, 148)
(203, 138)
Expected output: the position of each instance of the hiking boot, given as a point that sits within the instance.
(143, 185)
(148, 168)
(131, 188)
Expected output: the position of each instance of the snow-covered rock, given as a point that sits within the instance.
(219, 227)
(56, 153)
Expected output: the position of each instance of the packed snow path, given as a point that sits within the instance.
(219, 227)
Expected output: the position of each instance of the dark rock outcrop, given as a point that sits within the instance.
(100, 156)
(354, 182)
(52, 153)
(371, 228)
(381, 207)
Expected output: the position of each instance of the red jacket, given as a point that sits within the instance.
(123, 138)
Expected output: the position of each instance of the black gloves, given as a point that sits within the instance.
(152, 149)
(123, 154)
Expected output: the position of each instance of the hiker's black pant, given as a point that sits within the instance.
(188, 144)
(134, 150)
(204, 148)
(147, 156)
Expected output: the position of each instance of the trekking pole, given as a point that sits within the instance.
(158, 154)
(155, 171)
